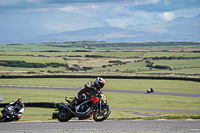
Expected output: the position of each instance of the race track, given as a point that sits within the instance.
(105, 90)
(105, 126)
(115, 91)
(74, 126)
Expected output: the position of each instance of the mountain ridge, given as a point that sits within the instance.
(179, 29)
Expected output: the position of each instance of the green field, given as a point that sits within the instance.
(97, 46)
(116, 100)
(171, 54)
(58, 54)
(128, 63)
(116, 84)
(107, 58)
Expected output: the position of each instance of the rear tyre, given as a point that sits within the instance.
(2, 118)
(64, 115)
(99, 116)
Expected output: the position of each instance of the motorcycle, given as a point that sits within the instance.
(8, 114)
(100, 110)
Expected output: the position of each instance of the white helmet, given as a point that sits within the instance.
(100, 82)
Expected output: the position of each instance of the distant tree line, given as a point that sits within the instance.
(172, 58)
(14, 44)
(94, 56)
(90, 44)
(115, 61)
(25, 64)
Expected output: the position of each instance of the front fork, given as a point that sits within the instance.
(100, 106)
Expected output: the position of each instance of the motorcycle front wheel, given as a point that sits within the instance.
(100, 115)
(64, 115)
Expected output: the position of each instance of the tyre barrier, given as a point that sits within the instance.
(151, 76)
(55, 116)
(41, 105)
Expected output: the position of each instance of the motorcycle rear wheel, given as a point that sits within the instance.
(2, 118)
(99, 116)
(64, 115)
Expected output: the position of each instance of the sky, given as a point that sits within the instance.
(54, 16)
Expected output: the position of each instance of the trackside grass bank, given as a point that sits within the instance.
(115, 100)
(44, 114)
(158, 85)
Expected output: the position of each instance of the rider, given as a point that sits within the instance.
(19, 107)
(90, 91)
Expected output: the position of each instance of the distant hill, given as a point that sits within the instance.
(187, 29)
(180, 29)
(108, 34)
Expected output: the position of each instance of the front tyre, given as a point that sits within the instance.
(64, 115)
(100, 115)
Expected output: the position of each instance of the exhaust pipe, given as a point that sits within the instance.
(66, 106)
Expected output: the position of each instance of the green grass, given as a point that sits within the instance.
(109, 54)
(117, 84)
(37, 114)
(178, 63)
(19, 69)
(176, 70)
(119, 54)
(173, 54)
(115, 100)
(45, 114)
(122, 100)
(132, 66)
(33, 47)
(31, 59)
(30, 53)
(34, 59)
(35, 95)
(93, 46)
(178, 66)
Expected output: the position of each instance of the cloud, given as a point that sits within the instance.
(188, 12)
(34, 1)
(9, 2)
(119, 13)
(166, 16)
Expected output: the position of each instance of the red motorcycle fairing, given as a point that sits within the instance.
(94, 99)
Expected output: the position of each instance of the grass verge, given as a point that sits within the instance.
(115, 100)
(117, 84)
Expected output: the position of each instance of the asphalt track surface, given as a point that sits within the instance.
(115, 91)
(119, 126)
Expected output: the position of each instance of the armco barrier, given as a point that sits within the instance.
(40, 105)
(151, 76)
(3, 105)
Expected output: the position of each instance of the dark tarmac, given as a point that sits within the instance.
(172, 126)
